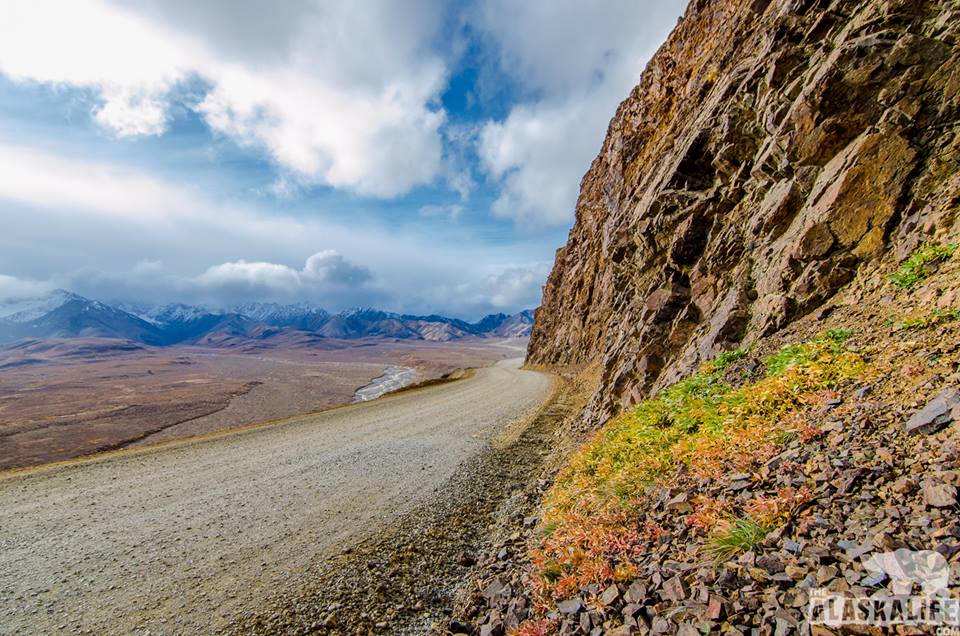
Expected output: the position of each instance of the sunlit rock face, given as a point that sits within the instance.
(772, 152)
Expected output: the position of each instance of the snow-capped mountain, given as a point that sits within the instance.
(22, 310)
(507, 326)
(299, 315)
(62, 314)
(179, 313)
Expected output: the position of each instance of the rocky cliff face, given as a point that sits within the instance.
(773, 151)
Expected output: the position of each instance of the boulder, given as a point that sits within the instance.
(938, 412)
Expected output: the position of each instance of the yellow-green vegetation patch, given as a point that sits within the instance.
(918, 265)
(593, 511)
(934, 318)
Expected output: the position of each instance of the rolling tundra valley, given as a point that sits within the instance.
(83, 387)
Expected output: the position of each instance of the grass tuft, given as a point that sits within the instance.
(917, 266)
(741, 535)
(830, 343)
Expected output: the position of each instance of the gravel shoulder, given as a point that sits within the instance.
(184, 538)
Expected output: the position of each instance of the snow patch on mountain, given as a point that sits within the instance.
(24, 310)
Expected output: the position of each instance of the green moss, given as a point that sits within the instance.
(916, 267)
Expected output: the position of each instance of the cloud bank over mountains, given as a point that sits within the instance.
(79, 223)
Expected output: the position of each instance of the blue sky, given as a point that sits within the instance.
(417, 156)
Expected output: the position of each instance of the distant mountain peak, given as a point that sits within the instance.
(63, 314)
(22, 310)
(181, 312)
(355, 312)
(276, 313)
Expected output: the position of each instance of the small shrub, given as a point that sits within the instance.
(708, 513)
(838, 336)
(916, 267)
(773, 512)
(763, 515)
(536, 627)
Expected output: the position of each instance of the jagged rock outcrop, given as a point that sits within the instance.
(772, 150)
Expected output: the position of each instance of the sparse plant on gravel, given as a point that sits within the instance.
(537, 627)
(775, 511)
(737, 536)
(934, 318)
(708, 513)
(918, 265)
(733, 536)
(727, 358)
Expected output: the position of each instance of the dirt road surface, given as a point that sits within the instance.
(177, 539)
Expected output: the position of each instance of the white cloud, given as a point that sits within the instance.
(132, 113)
(339, 93)
(321, 271)
(504, 288)
(539, 155)
(514, 286)
(330, 267)
(13, 287)
(577, 61)
(48, 180)
(269, 275)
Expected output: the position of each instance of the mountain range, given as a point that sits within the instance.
(62, 314)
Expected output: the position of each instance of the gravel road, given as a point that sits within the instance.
(180, 538)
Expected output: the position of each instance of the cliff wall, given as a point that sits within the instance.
(773, 151)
